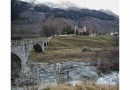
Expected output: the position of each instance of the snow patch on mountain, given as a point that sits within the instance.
(109, 12)
(62, 5)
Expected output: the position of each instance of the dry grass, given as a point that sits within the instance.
(63, 54)
(79, 41)
(70, 48)
(82, 86)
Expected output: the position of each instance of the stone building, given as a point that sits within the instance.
(80, 31)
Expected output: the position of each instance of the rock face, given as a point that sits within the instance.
(57, 73)
(83, 73)
(111, 79)
(42, 74)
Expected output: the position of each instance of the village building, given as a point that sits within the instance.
(114, 33)
(93, 33)
(80, 31)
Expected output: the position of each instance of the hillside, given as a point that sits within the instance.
(24, 13)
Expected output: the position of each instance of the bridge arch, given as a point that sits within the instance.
(15, 66)
(23, 48)
(37, 48)
(45, 44)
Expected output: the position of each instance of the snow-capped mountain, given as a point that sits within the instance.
(109, 12)
(62, 5)
(28, 13)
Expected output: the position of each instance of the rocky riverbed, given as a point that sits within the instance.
(42, 74)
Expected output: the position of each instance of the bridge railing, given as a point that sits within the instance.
(23, 42)
(48, 39)
(29, 41)
(16, 42)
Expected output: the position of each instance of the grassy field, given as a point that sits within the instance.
(70, 48)
(79, 41)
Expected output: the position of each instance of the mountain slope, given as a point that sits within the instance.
(109, 12)
(24, 13)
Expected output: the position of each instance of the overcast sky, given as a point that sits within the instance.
(112, 5)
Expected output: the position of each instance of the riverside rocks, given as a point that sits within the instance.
(110, 79)
(64, 72)
(84, 73)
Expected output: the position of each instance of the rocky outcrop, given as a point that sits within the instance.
(39, 75)
(83, 73)
(64, 72)
(110, 79)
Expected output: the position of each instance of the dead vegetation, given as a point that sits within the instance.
(108, 61)
(82, 86)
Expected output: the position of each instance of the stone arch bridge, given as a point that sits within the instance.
(22, 48)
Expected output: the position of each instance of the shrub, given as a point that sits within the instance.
(108, 61)
(47, 88)
(85, 48)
